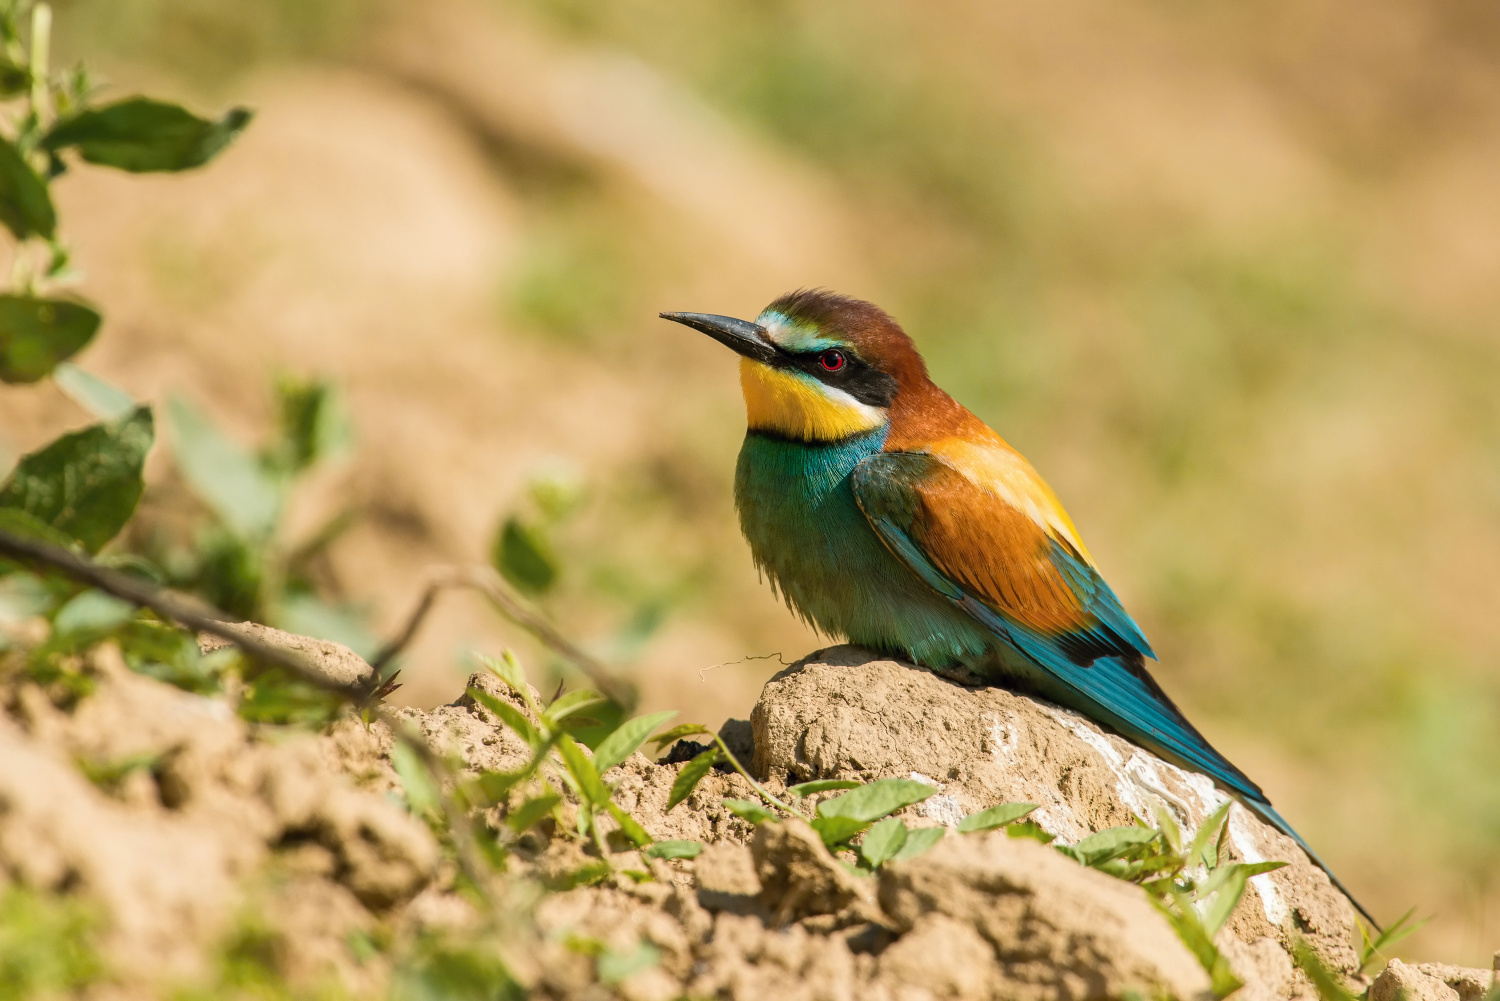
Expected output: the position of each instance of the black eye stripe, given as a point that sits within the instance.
(860, 380)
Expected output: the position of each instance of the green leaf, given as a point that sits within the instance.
(675, 849)
(632, 827)
(23, 595)
(1392, 934)
(836, 831)
(524, 557)
(488, 789)
(1030, 829)
(508, 670)
(803, 789)
(225, 474)
(417, 782)
(92, 613)
(576, 701)
(14, 78)
(36, 334)
(25, 205)
(613, 967)
(882, 842)
(1110, 843)
(277, 697)
(1231, 886)
(692, 773)
(870, 802)
(918, 840)
(677, 733)
(531, 811)
(1327, 985)
(749, 809)
(587, 874)
(92, 393)
(631, 734)
(1207, 831)
(509, 715)
(583, 771)
(1167, 824)
(1184, 921)
(1248, 869)
(995, 816)
(86, 483)
(29, 526)
(142, 135)
(311, 424)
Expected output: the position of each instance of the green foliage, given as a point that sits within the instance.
(237, 555)
(445, 968)
(236, 485)
(626, 738)
(691, 774)
(996, 816)
(1372, 951)
(524, 557)
(25, 204)
(142, 135)
(86, 483)
(523, 550)
(675, 849)
(47, 944)
(37, 334)
(1193, 888)
(582, 773)
(274, 696)
(1327, 985)
(882, 842)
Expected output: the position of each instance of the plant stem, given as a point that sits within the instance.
(724, 749)
(488, 583)
(41, 42)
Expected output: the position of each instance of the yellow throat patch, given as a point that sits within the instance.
(800, 407)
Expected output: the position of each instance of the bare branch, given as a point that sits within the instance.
(192, 614)
(515, 608)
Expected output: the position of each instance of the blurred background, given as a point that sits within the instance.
(1228, 274)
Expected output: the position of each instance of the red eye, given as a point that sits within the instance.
(832, 361)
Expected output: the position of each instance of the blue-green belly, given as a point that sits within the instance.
(809, 537)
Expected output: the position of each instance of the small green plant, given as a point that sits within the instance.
(1372, 951)
(79, 490)
(858, 821)
(238, 555)
(555, 732)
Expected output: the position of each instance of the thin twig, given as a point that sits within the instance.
(489, 583)
(214, 621)
(199, 618)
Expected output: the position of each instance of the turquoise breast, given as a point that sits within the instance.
(808, 536)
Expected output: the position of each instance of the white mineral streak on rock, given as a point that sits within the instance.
(1140, 777)
(1129, 791)
(1244, 842)
(945, 809)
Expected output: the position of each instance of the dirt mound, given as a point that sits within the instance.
(191, 829)
(843, 714)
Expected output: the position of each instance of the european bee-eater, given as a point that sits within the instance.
(886, 513)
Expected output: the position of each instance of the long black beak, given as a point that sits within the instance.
(740, 336)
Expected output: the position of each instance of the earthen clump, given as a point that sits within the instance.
(186, 825)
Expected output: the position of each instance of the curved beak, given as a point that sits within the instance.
(740, 336)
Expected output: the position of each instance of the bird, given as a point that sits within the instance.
(885, 512)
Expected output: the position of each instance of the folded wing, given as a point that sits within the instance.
(999, 548)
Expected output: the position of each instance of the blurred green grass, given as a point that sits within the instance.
(1288, 462)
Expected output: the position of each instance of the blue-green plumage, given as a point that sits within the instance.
(810, 538)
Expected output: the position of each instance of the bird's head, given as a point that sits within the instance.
(816, 366)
